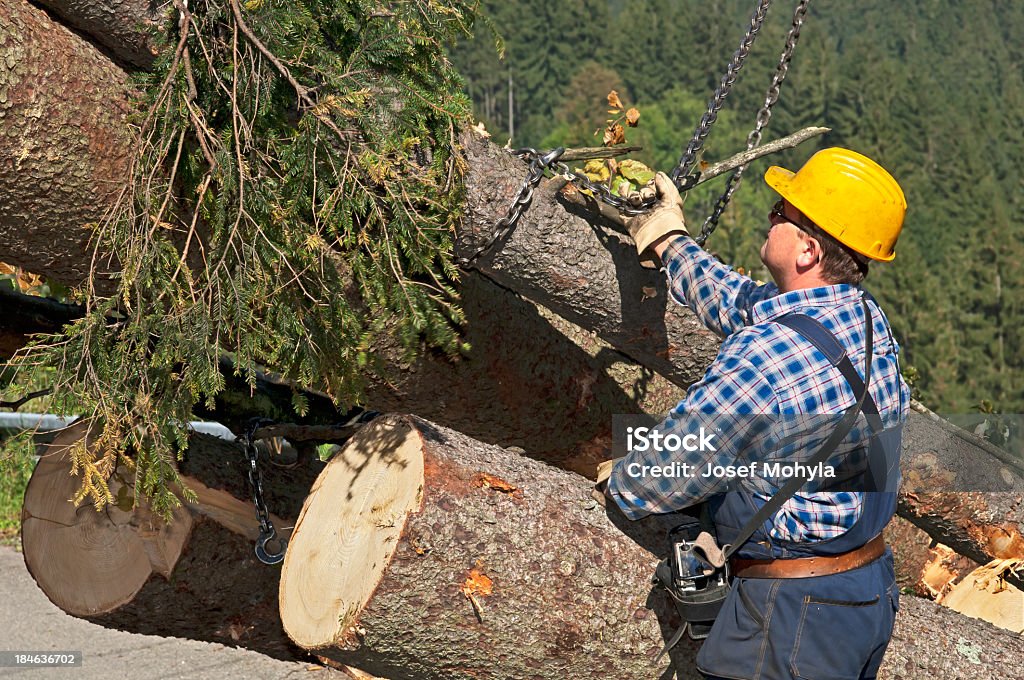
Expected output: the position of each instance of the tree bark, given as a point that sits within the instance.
(129, 30)
(64, 142)
(474, 563)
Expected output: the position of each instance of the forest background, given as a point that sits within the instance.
(932, 89)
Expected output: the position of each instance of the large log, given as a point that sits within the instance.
(196, 577)
(451, 559)
(64, 144)
(448, 559)
(130, 30)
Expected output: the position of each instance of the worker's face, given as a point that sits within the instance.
(783, 242)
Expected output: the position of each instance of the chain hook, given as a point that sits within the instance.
(267, 531)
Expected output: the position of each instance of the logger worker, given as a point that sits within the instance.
(781, 619)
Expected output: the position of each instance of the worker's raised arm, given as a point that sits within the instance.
(720, 296)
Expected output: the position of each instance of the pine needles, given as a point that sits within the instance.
(292, 200)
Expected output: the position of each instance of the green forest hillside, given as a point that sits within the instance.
(931, 88)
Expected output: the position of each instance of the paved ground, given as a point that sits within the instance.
(29, 622)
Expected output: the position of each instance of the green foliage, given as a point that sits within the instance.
(293, 200)
(16, 464)
(930, 88)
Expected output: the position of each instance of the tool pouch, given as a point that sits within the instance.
(696, 576)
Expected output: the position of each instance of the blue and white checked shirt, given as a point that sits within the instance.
(764, 368)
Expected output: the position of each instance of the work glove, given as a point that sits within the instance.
(604, 472)
(666, 217)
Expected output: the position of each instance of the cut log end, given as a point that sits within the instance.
(350, 527)
(89, 563)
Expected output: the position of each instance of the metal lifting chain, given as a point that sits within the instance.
(681, 174)
(267, 531)
(763, 116)
(732, 72)
(504, 226)
(538, 164)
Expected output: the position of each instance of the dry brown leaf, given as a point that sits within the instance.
(477, 583)
(613, 100)
(632, 117)
(614, 135)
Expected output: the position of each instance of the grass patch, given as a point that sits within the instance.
(16, 464)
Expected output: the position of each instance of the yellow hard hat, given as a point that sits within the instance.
(848, 195)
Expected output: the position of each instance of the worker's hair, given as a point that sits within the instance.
(839, 264)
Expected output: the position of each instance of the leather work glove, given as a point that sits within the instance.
(604, 472)
(666, 217)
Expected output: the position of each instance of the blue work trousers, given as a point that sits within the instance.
(832, 627)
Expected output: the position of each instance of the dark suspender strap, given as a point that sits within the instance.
(822, 338)
(834, 351)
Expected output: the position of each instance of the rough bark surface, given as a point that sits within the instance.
(931, 642)
(572, 263)
(64, 142)
(128, 29)
(569, 582)
(569, 590)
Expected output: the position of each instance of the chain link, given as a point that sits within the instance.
(732, 71)
(267, 531)
(764, 115)
(681, 175)
(503, 227)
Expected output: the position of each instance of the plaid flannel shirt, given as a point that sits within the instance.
(764, 368)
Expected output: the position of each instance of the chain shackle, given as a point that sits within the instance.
(689, 157)
(764, 115)
(267, 532)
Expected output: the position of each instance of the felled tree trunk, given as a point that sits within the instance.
(578, 266)
(452, 559)
(65, 142)
(196, 577)
(130, 30)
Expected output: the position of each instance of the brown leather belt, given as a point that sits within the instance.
(805, 567)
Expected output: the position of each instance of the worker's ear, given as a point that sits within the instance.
(809, 253)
